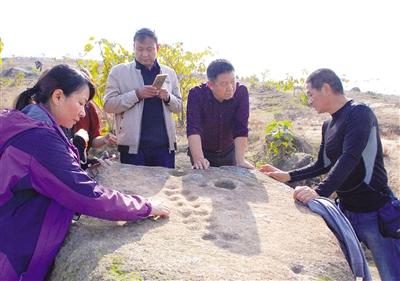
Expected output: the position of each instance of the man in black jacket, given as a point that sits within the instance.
(351, 154)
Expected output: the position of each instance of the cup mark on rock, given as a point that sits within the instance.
(227, 184)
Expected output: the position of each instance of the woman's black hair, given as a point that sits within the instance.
(62, 76)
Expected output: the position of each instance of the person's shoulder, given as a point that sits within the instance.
(359, 108)
(241, 93)
(241, 86)
(360, 113)
(121, 67)
(241, 89)
(45, 132)
(199, 89)
(13, 123)
(166, 69)
(48, 136)
(357, 104)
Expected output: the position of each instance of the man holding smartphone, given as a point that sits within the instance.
(144, 124)
(217, 119)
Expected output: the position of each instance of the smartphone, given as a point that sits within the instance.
(159, 81)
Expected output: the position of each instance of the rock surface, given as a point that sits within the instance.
(12, 72)
(226, 224)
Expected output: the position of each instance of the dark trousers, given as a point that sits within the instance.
(385, 251)
(218, 159)
(150, 157)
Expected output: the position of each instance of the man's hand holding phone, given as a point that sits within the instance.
(147, 92)
(159, 80)
(155, 89)
(164, 95)
(158, 83)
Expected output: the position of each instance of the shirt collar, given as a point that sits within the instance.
(142, 67)
(339, 112)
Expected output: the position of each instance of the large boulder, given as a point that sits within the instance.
(355, 89)
(226, 224)
(12, 72)
(295, 161)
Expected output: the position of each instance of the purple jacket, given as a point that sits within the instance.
(41, 187)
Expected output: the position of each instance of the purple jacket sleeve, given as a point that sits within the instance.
(242, 113)
(55, 173)
(193, 113)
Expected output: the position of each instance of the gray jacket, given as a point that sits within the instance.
(120, 98)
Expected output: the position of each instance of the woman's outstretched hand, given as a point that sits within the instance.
(159, 209)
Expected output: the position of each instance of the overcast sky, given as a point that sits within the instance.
(357, 39)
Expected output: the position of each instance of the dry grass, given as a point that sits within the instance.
(8, 94)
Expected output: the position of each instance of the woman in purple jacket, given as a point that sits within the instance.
(41, 183)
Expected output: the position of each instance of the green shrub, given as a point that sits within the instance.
(303, 98)
(19, 78)
(279, 139)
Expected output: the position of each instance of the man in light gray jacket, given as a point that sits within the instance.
(145, 127)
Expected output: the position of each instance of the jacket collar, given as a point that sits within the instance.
(16, 122)
(140, 66)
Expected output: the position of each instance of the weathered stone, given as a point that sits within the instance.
(355, 89)
(12, 72)
(226, 224)
(295, 161)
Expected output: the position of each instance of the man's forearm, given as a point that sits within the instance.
(240, 149)
(195, 147)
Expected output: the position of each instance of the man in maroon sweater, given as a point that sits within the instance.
(217, 119)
